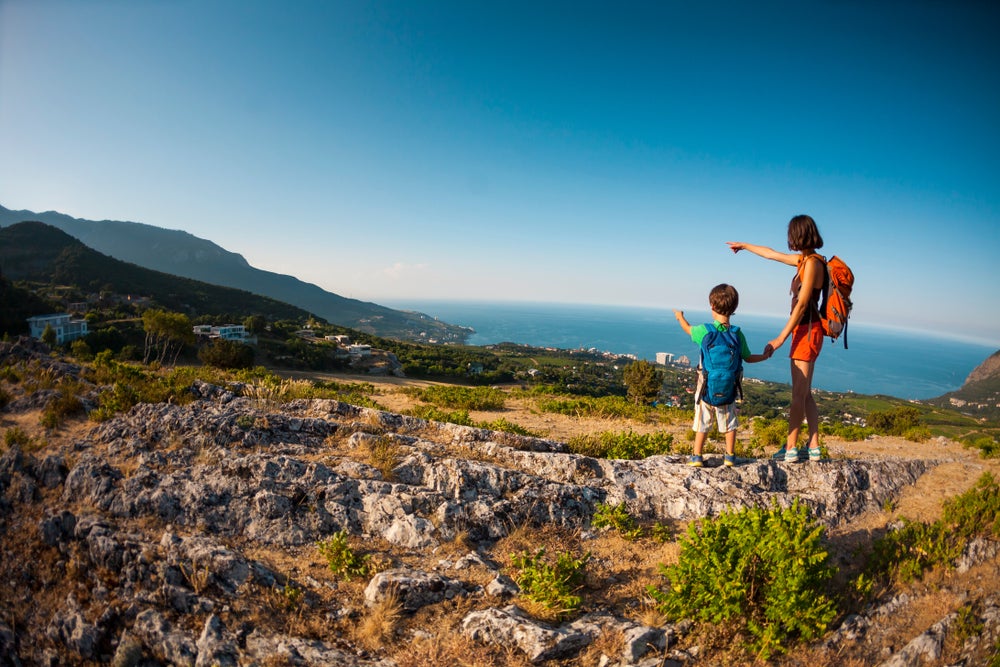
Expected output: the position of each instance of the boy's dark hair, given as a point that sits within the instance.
(803, 234)
(724, 299)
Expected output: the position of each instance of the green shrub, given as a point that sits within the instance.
(553, 585)
(904, 554)
(465, 398)
(342, 559)
(618, 518)
(605, 407)
(917, 434)
(460, 417)
(505, 426)
(65, 405)
(762, 570)
(621, 445)
(771, 434)
(987, 445)
(975, 512)
(849, 432)
(16, 436)
(894, 422)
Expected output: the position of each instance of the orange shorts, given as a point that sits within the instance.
(807, 341)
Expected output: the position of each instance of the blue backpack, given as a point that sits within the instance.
(721, 366)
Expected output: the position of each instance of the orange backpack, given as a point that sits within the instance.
(836, 308)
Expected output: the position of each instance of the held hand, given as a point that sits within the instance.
(768, 351)
(775, 344)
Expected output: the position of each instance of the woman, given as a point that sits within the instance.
(803, 326)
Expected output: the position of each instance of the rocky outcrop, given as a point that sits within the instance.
(156, 524)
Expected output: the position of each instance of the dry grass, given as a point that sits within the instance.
(380, 622)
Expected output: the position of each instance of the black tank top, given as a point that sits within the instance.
(811, 313)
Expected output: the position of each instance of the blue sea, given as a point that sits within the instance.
(893, 362)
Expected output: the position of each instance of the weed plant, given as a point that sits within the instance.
(553, 585)
(604, 407)
(618, 518)
(762, 571)
(906, 553)
(621, 445)
(430, 413)
(462, 398)
(342, 560)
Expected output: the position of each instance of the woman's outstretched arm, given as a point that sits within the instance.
(791, 259)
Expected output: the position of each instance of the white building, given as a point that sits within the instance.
(664, 358)
(359, 350)
(236, 332)
(63, 324)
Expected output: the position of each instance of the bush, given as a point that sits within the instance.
(894, 422)
(464, 398)
(621, 445)
(605, 407)
(904, 554)
(554, 586)
(460, 417)
(226, 354)
(618, 518)
(342, 559)
(763, 570)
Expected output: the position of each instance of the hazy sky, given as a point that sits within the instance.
(590, 152)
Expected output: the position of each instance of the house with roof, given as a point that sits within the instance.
(66, 327)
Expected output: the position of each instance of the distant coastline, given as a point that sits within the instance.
(880, 360)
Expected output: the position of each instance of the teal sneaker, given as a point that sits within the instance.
(792, 455)
(730, 460)
(815, 454)
(779, 455)
(695, 461)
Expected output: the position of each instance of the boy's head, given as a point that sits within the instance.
(803, 234)
(723, 299)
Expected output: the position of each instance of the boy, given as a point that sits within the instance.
(723, 299)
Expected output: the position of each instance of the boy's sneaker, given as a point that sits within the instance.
(730, 460)
(695, 461)
(815, 454)
(779, 455)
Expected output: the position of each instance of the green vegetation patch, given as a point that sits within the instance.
(461, 398)
(763, 572)
(622, 445)
(552, 584)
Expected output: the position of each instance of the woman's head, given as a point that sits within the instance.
(803, 234)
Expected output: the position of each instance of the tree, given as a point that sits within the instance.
(227, 354)
(642, 381)
(49, 336)
(165, 333)
(255, 324)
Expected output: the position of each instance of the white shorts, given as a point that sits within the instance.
(724, 416)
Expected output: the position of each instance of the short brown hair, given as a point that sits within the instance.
(803, 234)
(724, 299)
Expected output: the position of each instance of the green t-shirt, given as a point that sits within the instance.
(698, 332)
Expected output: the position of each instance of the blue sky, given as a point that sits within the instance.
(576, 152)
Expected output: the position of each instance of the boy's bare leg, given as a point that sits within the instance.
(699, 442)
(730, 443)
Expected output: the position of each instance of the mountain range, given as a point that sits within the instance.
(39, 253)
(182, 254)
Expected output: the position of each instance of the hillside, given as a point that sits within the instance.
(979, 395)
(36, 252)
(182, 254)
(187, 531)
